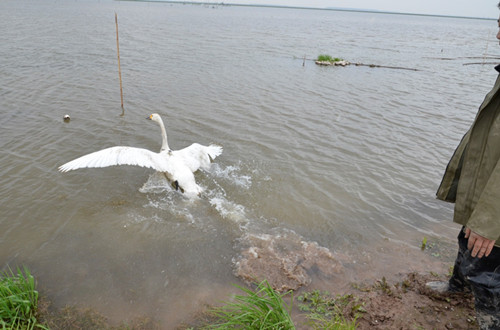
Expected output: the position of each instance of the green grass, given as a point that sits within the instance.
(424, 243)
(18, 300)
(328, 58)
(325, 312)
(336, 322)
(263, 308)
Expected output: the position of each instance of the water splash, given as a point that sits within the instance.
(162, 196)
(229, 210)
(157, 183)
(232, 174)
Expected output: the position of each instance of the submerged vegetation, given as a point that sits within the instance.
(18, 300)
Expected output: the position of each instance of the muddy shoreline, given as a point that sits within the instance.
(389, 299)
(402, 304)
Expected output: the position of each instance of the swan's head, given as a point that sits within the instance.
(154, 117)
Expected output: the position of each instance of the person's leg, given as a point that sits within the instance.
(457, 281)
(483, 276)
(485, 283)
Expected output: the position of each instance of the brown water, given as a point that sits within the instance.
(345, 158)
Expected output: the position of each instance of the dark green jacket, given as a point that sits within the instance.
(472, 177)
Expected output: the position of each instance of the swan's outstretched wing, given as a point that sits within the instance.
(197, 156)
(119, 156)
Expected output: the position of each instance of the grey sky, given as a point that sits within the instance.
(469, 8)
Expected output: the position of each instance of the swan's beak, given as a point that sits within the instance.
(149, 117)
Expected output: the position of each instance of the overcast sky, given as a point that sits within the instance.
(468, 8)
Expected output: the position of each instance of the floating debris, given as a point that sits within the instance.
(340, 63)
(327, 60)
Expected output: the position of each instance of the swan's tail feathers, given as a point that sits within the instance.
(214, 151)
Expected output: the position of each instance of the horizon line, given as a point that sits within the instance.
(357, 10)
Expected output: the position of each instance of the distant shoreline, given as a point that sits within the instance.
(308, 8)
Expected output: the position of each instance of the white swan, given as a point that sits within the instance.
(177, 165)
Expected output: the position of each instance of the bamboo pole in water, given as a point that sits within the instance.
(119, 67)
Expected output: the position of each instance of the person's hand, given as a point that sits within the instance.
(478, 245)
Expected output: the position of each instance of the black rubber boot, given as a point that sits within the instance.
(482, 276)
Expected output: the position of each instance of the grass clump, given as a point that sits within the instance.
(325, 312)
(18, 300)
(263, 308)
(328, 58)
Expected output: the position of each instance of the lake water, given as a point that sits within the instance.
(346, 158)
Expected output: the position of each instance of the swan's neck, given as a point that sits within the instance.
(164, 141)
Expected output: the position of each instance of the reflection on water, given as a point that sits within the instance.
(344, 161)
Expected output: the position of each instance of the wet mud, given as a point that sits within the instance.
(285, 260)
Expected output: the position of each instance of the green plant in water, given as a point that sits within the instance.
(424, 243)
(328, 58)
(263, 308)
(18, 300)
(326, 312)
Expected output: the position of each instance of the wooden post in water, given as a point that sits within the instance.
(119, 67)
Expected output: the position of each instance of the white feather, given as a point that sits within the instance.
(119, 156)
(197, 156)
(178, 165)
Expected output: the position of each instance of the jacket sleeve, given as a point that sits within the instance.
(485, 219)
(447, 190)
